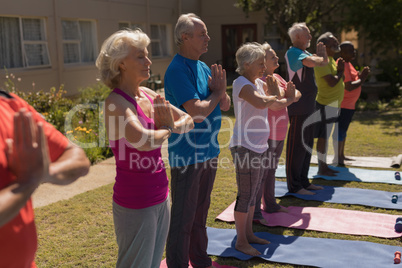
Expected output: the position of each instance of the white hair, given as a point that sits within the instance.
(184, 25)
(248, 53)
(266, 46)
(114, 49)
(296, 28)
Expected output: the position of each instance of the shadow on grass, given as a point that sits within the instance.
(387, 119)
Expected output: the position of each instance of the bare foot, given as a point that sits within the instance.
(256, 240)
(348, 159)
(314, 187)
(304, 191)
(333, 170)
(326, 172)
(247, 249)
(339, 162)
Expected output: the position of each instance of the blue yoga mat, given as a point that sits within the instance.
(342, 195)
(298, 250)
(349, 174)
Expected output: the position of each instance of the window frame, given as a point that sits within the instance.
(79, 41)
(271, 34)
(23, 42)
(159, 40)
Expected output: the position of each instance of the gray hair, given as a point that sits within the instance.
(296, 28)
(184, 25)
(114, 49)
(325, 37)
(248, 53)
(266, 46)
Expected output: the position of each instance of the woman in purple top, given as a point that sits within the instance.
(137, 121)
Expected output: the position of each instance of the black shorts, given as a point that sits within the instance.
(327, 117)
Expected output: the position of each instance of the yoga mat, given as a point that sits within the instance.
(216, 265)
(296, 250)
(343, 195)
(365, 161)
(349, 174)
(331, 220)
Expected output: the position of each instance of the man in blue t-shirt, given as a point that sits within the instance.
(300, 70)
(200, 92)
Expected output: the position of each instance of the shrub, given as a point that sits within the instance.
(79, 118)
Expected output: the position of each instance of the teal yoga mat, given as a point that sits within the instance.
(349, 174)
(296, 250)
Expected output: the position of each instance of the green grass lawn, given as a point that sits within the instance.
(79, 232)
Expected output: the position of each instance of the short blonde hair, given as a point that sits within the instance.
(248, 53)
(184, 25)
(296, 28)
(114, 49)
(266, 46)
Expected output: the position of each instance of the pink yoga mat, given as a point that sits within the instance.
(328, 220)
(163, 265)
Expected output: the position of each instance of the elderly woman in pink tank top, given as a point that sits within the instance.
(138, 121)
(278, 124)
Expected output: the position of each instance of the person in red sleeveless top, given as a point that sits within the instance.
(353, 81)
(138, 121)
(32, 152)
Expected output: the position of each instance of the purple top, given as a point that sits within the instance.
(141, 179)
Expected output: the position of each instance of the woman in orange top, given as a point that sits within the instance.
(353, 81)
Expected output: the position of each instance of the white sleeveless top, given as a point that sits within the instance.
(251, 129)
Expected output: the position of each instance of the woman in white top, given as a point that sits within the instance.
(248, 145)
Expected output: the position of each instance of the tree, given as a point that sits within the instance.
(380, 21)
(283, 13)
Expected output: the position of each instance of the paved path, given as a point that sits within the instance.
(100, 174)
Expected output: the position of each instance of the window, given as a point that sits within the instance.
(23, 43)
(79, 42)
(160, 40)
(273, 38)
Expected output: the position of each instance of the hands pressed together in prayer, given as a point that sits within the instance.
(27, 153)
(322, 52)
(217, 83)
(163, 114)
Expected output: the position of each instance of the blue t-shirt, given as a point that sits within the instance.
(187, 79)
(304, 80)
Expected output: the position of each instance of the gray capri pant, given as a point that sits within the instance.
(249, 172)
(141, 234)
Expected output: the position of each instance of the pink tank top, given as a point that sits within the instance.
(141, 179)
(278, 120)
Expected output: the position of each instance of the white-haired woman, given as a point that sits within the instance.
(278, 125)
(248, 144)
(137, 121)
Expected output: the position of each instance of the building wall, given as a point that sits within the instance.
(217, 13)
(106, 14)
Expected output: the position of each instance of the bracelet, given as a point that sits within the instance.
(167, 128)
